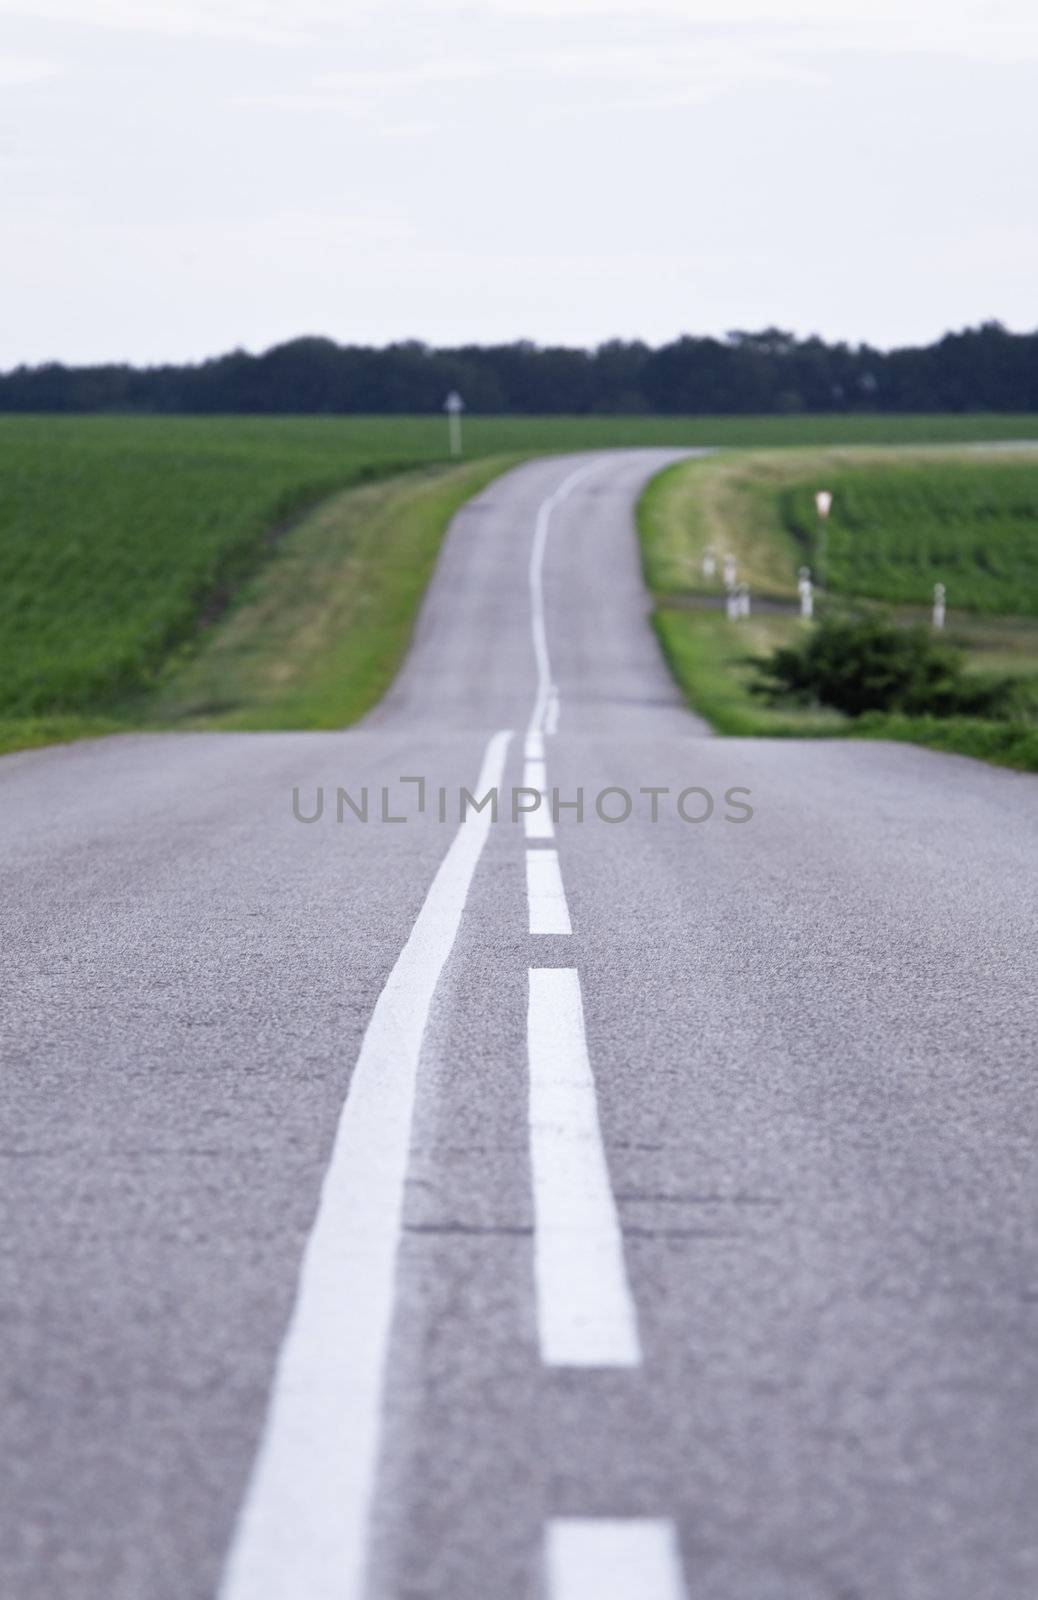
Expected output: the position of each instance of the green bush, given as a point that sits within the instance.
(859, 663)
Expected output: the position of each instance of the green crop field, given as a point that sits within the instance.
(895, 531)
(124, 539)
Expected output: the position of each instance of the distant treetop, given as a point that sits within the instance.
(771, 371)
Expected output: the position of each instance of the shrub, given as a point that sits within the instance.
(860, 663)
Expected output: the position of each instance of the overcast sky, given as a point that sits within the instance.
(185, 176)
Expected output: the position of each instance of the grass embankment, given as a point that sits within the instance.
(902, 520)
(316, 637)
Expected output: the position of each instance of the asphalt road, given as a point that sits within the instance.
(357, 1240)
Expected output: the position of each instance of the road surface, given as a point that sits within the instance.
(596, 1209)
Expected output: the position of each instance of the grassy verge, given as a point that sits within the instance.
(316, 637)
(736, 503)
(32, 733)
(710, 658)
(718, 502)
(1008, 744)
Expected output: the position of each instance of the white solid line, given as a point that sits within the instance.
(613, 1558)
(303, 1528)
(585, 1312)
(533, 749)
(545, 688)
(549, 912)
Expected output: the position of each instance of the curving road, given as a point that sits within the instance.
(595, 1209)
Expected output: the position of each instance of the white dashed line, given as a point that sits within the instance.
(303, 1529)
(549, 912)
(585, 1313)
(613, 1558)
(538, 824)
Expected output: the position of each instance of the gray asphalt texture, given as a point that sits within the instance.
(814, 1045)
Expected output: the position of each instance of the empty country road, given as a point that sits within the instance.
(627, 1203)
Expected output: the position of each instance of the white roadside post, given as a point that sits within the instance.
(729, 571)
(806, 590)
(731, 604)
(938, 605)
(744, 599)
(823, 506)
(454, 405)
(709, 562)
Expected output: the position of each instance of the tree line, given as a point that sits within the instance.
(979, 369)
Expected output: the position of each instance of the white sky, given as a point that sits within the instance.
(184, 176)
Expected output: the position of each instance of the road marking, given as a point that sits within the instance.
(613, 1558)
(549, 912)
(546, 690)
(585, 1312)
(537, 824)
(303, 1528)
(533, 749)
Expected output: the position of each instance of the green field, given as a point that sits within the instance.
(901, 521)
(147, 565)
(895, 531)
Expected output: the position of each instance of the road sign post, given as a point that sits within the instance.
(454, 405)
(938, 605)
(823, 506)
